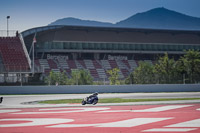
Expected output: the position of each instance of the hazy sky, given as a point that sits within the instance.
(26, 14)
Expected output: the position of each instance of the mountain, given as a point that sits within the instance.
(157, 18)
(161, 18)
(79, 22)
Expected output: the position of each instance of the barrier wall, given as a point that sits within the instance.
(71, 89)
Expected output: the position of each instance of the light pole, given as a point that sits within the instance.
(7, 26)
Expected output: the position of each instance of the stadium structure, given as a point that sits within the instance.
(96, 49)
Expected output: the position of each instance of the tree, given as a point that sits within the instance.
(63, 79)
(74, 77)
(85, 78)
(143, 74)
(130, 78)
(56, 77)
(114, 76)
(191, 65)
(81, 77)
(165, 69)
(52, 78)
(181, 70)
(168, 70)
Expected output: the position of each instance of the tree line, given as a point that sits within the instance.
(168, 71)
(78, 77)
(164, 71)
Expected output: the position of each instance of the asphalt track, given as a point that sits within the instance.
(106, 119)
(15, 101)
(153, 117)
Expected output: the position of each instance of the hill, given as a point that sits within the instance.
(161, 18)
(79, 22)
(158, 18)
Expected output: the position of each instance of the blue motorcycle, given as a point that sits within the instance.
(93, 99)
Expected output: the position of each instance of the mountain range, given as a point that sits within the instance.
(157, 18)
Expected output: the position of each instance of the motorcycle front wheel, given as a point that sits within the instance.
(95, 102)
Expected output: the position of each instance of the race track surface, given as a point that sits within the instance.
(15, 101)
(180, 118)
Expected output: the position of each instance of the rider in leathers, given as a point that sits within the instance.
(93, 95)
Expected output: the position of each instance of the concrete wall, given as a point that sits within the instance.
(70, 89)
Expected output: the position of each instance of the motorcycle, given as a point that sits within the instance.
(90, 100)
(1, 99)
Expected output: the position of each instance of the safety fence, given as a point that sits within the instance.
(78, 89)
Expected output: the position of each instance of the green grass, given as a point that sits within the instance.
(113, 100)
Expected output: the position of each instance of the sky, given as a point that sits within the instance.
(26, 14)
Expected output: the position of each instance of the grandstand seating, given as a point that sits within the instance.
(80, 64)
(13, 55)
(89, 64)
(125, 62)
(97, 68)
(44, 63)
(105, 64)
(125, 72)
(102, 74)
(94, 73)
(113, 63)
(72, 64)
(52, 64)
(96, 64)
(132, 64)
(62, 64)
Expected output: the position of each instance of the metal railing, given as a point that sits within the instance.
(4, 33)
(5, 68)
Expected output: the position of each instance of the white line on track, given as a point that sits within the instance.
(169, 130)
(34, 122)
(156, 109)
(8, 111)
(163, 108)
(192, 123)
(63, 110)
(125, 123)
(114, 111)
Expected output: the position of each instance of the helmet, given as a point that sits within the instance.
(96, 93)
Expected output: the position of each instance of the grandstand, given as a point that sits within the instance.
(96, 49)
(99, 49)
(14, 59)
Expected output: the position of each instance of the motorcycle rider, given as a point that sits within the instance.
(93, 95)
(92, 99)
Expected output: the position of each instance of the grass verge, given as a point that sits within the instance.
(113, 100)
